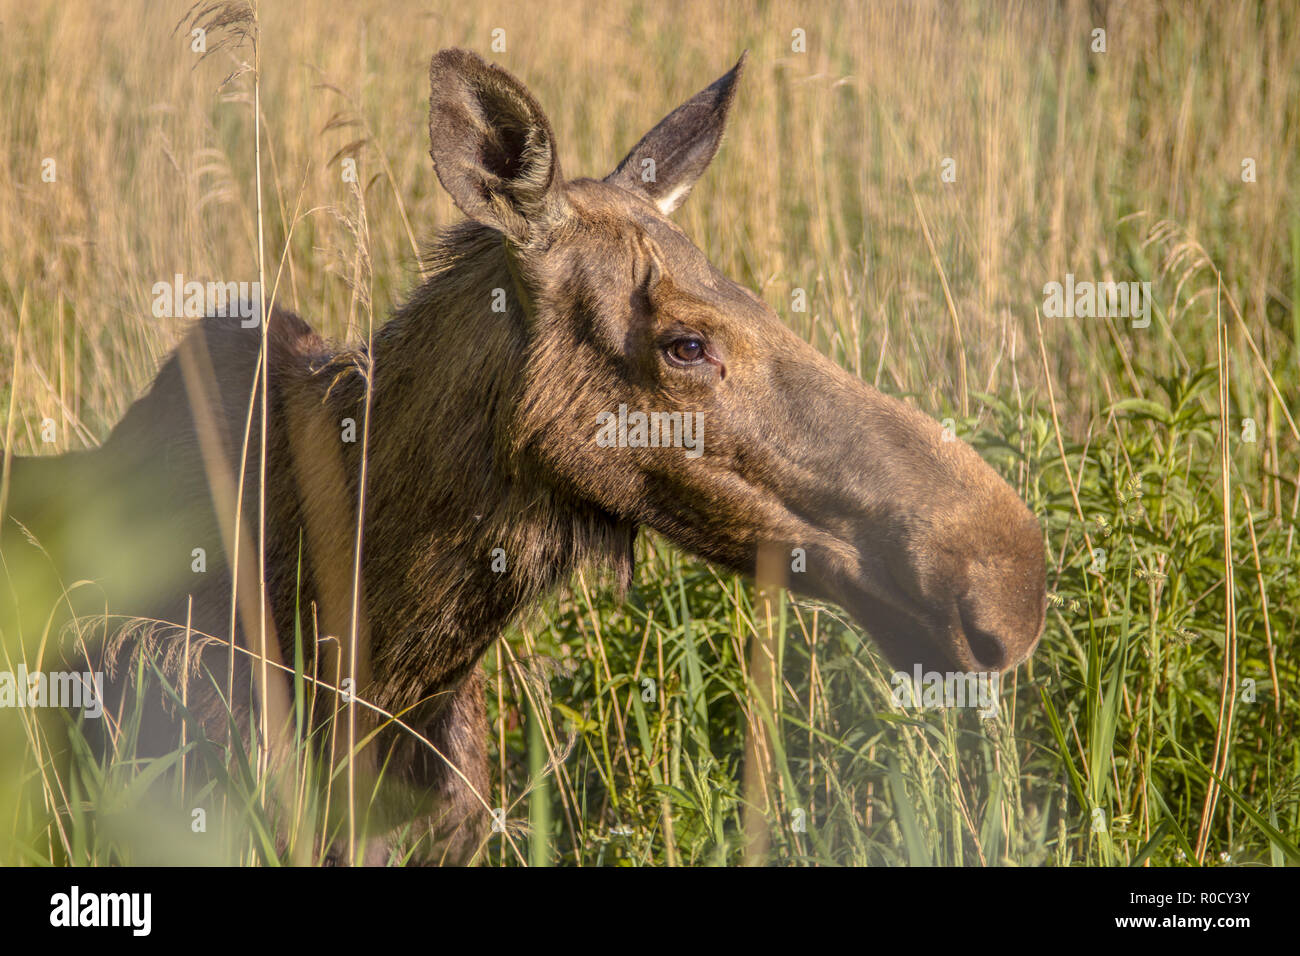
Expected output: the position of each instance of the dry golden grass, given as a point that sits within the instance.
(1053, 145)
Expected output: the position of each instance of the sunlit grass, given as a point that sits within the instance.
(621, 728)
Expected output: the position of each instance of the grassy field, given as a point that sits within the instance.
(916, 174)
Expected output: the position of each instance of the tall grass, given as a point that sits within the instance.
(705, 720)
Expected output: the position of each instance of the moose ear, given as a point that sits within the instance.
(671, 157)
(492, 146)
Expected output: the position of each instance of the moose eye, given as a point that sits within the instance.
(685, 351)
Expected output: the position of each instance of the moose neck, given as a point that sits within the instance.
(461, 531)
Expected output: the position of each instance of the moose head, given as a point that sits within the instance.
(661, 393)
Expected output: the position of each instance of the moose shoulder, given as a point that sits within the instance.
(627, 383)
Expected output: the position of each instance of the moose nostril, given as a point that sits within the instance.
(988, 651)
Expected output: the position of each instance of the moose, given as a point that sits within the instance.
(477, 484)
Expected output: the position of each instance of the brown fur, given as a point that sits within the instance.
(482, 436)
